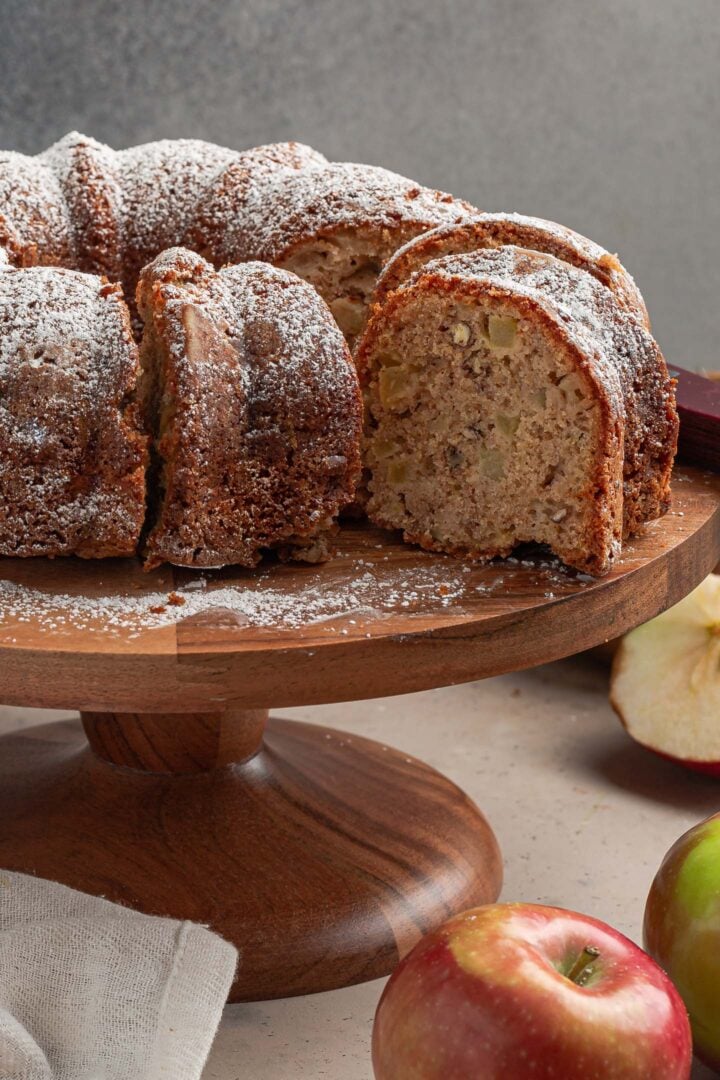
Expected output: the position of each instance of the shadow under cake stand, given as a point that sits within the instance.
(323, 856)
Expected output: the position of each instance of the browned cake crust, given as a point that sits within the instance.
(497, 230)
(622, 373)
(256, 410)
(72, 448)
(82, 205)
(285, 209)
(163, 184)
(86, 173)
(216, 232)
(35, 227)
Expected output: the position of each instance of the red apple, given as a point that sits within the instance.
(521, 991)
(665, 686)
(682, 929)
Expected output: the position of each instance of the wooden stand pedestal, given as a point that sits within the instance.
(323, 857)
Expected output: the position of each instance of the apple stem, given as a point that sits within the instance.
(582, 969)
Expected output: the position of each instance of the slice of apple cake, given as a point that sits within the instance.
(511, 398)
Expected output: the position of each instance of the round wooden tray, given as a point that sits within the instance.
(380, 618)
(323, 857)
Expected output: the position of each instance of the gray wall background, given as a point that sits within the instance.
(602, 114)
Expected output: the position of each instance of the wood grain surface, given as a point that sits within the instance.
(432, 621)
(324, 856)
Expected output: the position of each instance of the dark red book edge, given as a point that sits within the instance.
(698, 402)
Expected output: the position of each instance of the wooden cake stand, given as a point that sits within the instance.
(322, 856)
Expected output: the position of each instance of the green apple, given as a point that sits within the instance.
(682, 929)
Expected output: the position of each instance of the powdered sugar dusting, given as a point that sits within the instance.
(163, 183)
(588, 248)
(34, 220)
(68, 453)
(86, 171)
(217, 230)
(286, 206)
(84, 205)
(349, 597)
(366, 594)
(496, 230)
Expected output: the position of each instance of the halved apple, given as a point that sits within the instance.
(665, 683)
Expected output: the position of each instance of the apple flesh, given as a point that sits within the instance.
(682, 929)
(665, 684)
(513, 991)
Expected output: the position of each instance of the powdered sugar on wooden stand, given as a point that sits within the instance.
(366, 591)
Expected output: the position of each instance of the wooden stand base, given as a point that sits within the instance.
(322, 856)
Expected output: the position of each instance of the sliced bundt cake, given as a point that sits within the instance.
(512, 398)
(335, 226)
(497, 230)
(72, 448)
(85, 206)
(256, 411)
(514, 391)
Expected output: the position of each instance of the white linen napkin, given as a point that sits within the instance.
(93, 991)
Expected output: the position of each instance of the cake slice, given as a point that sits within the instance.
(512, 398)
(255, 408)
(72, 448)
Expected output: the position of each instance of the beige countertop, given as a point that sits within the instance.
(583, 817)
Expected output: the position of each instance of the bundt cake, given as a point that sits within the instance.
(334, 225)
(511, 398)
(514, 392)
(255, 410)
(84, 206)
(497, 230)
(73, 451)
